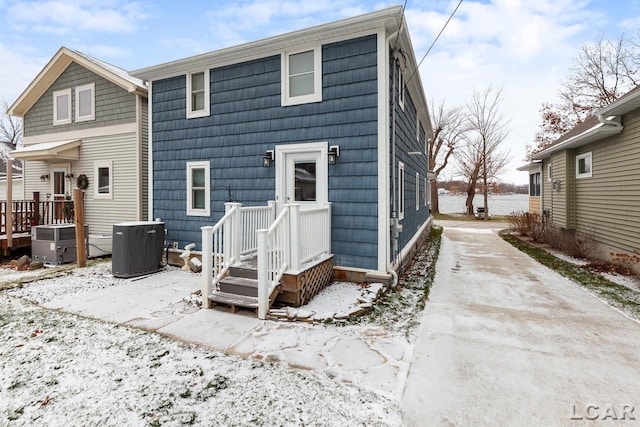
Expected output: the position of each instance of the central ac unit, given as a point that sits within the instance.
(54, 244)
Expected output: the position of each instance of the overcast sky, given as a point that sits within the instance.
(524, 47)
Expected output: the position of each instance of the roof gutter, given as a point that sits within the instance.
(611, 122)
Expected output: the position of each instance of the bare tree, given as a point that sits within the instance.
(602, 72)
(481, 158)
(10, 128)
(449, 127)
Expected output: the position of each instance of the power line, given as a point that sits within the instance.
(404, 7)
(435, 40)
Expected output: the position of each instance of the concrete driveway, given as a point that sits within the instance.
(505, 341)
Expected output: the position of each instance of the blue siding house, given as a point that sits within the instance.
(332, 115)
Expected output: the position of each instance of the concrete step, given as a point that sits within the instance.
(234, 300)
(239, 286)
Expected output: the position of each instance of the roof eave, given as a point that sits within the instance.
(388, 18)
(595, 133)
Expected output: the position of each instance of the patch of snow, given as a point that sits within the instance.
(338, 297)
(569, 259)
(630, 282)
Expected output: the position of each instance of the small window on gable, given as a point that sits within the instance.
(103, 180)
(584, 165)
(400, 190)
(401, 89)
(62, 107)
(85, 102)
(198, 188)
(198, 94)
(302, 76)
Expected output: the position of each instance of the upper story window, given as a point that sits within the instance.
(85, 102)
(198, 94)
(584, 165)
(302, 76)
(534, 184)
(198, 188)
(62, 107)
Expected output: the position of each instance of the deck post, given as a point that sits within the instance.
(9, 218)
(272, 210)
(237, 232)
(36, 208)
(207, 264)
(78, 208)
(327, 232)
(294, 236)
(263, 274)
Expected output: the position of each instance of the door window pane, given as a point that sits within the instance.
(305, 182)
(58, 182)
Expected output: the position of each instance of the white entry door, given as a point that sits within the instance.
(301, 174)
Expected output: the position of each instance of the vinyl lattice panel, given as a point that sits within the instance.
(315, 279)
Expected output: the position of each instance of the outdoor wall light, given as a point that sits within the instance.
(44, 177)
(69, 176)
(334, 153)
(267, 158)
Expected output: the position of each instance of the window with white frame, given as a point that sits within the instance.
(400, 190)
(417, 191)
(426, 191)
(401, 89)
(85, 102)
(103, 179)
(302, 76)
(62, 107)
(534, 184)
(198, 91)
(549, 171)
(584, 165)
(198, 188)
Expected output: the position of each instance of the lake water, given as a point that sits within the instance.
(499, 204)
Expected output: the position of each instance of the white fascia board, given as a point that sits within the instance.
(326, 33)
(595, 133)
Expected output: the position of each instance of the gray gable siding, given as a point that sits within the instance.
(114, 105)
(247, 119)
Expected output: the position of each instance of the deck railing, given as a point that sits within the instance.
(273, 260)
(255, 218)
(28, 213)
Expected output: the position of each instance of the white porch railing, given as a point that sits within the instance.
(284, 242)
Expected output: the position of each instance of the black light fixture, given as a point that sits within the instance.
(267, 158)
(334, 153)
(44, 177)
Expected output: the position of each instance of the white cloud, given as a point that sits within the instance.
(68, 17)
(16, 77)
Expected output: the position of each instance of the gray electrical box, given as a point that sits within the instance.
(137, 248)
(54, 244)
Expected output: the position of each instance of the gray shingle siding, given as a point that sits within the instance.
(113, 106)
(247, 119)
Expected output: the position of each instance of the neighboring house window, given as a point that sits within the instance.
(417, 191)
(584, 165)
(549, 172)
(534, 184)
(103, 180)
(198, 94)
(198, 188)
(62, 107)
(401, 89)
(85, 103)
(302, 76)
(400, 190)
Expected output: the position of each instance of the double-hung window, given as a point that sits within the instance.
(198, 188)
(534, 184)
(198, 94)
(103, 179)
(85, 102)
(62, 107)
(584, 165)
(302, 76)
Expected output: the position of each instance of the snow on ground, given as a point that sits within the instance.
(631, 282)
(58, 368)
(62, 369)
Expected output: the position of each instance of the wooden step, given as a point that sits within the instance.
(239, 286)
(243, 301)
(243, 271)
